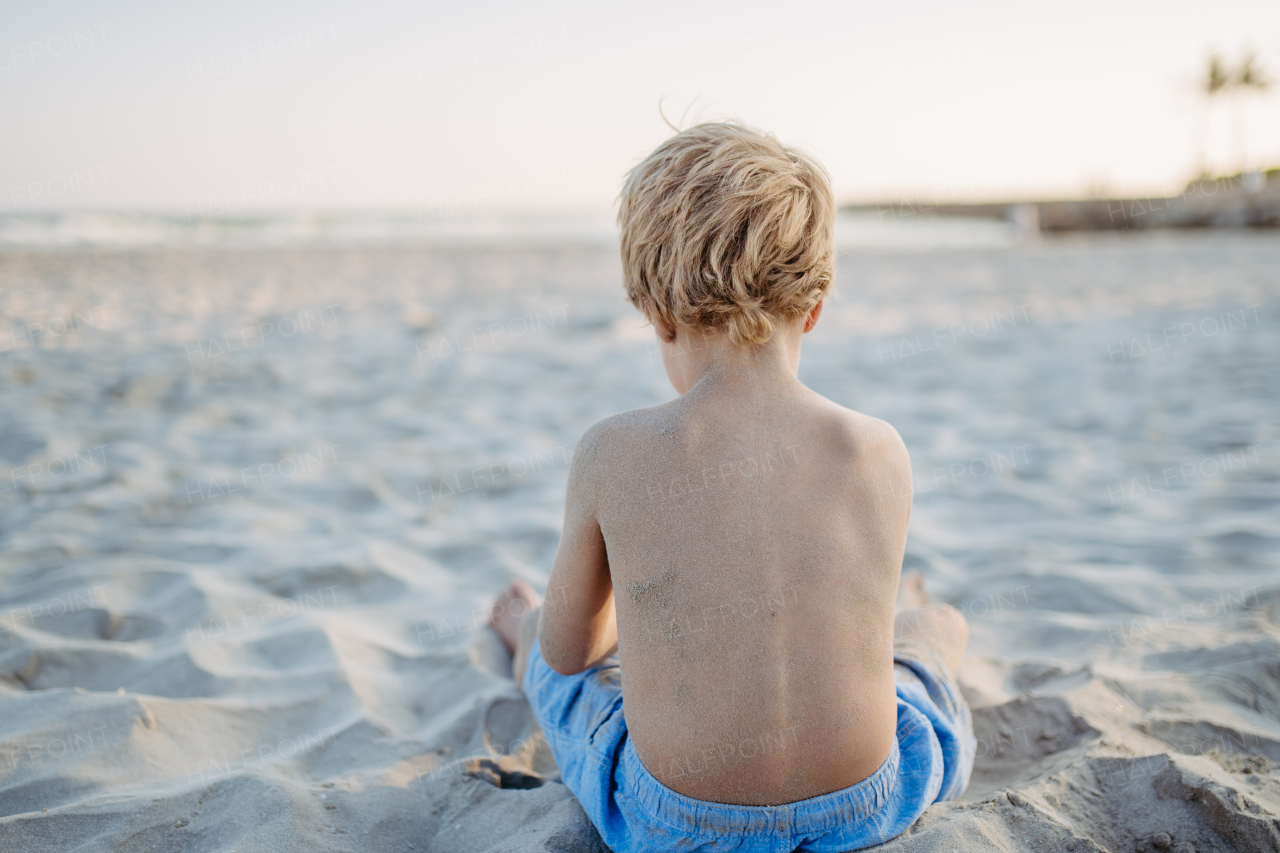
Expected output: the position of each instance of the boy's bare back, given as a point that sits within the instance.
(753, 533)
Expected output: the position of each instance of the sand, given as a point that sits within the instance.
(255, 500)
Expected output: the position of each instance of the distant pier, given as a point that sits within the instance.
(1247, 200)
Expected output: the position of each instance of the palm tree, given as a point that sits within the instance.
(1249, 78)
(1215, 82)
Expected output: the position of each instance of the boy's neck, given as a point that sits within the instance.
(710, 364)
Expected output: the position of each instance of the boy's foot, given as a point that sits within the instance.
(911, 591)
(517, 601)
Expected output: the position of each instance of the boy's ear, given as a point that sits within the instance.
(665, 333)
(812, 319)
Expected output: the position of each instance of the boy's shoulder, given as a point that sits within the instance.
(872, 444)
(619, 430)
(865, 433)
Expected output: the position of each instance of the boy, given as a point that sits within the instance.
(739, 550)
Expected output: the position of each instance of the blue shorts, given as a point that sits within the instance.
(582, 719)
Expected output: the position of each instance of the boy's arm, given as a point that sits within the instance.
(578, 628)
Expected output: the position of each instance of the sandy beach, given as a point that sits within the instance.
(256, 500)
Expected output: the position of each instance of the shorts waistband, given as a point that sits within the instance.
(821, 814)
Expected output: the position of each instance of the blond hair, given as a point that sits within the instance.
(725, 228)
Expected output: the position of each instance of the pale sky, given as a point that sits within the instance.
(318, 105)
